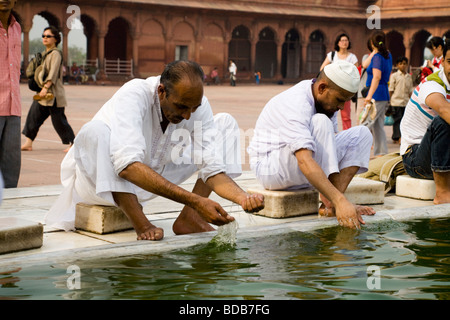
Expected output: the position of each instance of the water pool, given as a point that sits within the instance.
(384, 260)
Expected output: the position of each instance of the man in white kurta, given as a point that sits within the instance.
(296, 143)
(133, 128)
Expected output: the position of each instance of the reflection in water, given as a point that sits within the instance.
(331, 263)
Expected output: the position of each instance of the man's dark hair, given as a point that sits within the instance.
(435, 42)
(175, 71)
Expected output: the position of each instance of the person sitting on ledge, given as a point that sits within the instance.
(295, 144)
(425, 129)
(131, 152)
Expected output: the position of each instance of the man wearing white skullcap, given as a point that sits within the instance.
(296, 143)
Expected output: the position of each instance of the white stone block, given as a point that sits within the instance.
(422, 189)
(101, 219)
(284, 204)
(365, 191)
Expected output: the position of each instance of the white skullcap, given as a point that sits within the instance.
(343, 74)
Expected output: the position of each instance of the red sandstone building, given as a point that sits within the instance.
(283, 39)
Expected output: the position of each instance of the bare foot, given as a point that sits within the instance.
(28, 145)
(441, 200)
(189, 221)
(151, 233)
(325, 211)
(330, 212)
(26, 148)
(364, 210)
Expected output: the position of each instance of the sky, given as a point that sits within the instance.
(76, 35)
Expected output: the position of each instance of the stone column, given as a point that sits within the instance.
(279, 43)
(65, 41)
(253, 43)
(136, 36)
(101, 49)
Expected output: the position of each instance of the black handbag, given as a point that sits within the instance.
(365, 91)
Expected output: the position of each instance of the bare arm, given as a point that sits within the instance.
(345, 211)
(374, 85)
(366, 63)
(437, 102)
(325, 63)
(225, 187)
(147, 179)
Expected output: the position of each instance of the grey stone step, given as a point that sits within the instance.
(19, 234)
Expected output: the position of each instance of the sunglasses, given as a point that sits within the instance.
(47, 36)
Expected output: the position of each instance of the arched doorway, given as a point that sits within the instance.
(316, 52)
(118, 40)
(89, 27)
(41, 21)
(291, 55)
(266, 54)
(395, 45)
(239, 48)
(417, 49)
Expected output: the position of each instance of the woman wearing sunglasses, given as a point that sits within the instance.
(51, 100)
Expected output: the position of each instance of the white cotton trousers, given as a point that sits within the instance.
(88, 176)
(279, 170)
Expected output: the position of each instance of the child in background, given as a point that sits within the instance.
(400, 89)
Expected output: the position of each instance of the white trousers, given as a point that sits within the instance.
(88, 176)
(279, 170)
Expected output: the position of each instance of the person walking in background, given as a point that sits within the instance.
(50, 80)
(400, 89)
(232, 69)
(341, 46)
(10, 106)
(379, 67)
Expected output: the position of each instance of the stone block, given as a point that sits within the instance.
(19, 234)
(365, 191)
(101, 219)
(422, 189)
(284, 204)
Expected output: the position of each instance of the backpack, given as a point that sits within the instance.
(33, 65)
(385, 169)
(31, 69)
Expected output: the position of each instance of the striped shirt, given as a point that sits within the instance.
(418, 115)
(10, 56)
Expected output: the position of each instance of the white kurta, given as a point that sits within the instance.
(288, 123)
(126, 130)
